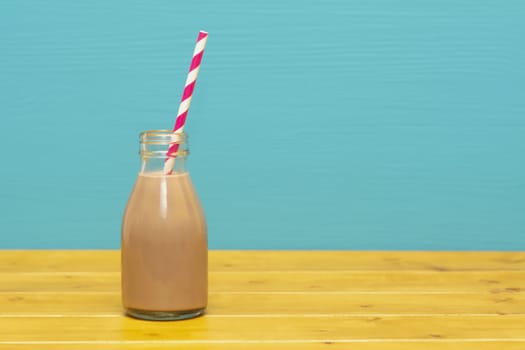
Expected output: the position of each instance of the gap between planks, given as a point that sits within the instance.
(310, 315)
(269, 341)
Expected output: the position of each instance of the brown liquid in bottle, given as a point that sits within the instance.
(164, 249)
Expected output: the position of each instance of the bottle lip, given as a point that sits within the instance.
(162, 136)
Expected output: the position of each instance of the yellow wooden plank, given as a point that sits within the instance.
(438, 344)
(109, 260)
(290, 281)
(358, 300)
(368, 260)
(238, 329)
(86, 304)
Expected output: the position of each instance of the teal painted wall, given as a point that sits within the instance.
(364, 124)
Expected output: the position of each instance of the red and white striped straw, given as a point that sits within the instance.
(186, 97)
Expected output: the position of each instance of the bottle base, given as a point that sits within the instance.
(164, 315)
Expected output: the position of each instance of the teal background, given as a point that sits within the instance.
(364, 124)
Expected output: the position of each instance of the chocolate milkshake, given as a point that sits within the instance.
(164, 246)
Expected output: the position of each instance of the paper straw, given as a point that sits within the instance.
(186, 98)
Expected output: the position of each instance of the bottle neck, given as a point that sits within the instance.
(163, 152)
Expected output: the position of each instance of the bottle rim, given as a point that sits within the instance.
(162, 137)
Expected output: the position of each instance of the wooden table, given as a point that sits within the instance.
(274, 300)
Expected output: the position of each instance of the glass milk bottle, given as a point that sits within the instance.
(164, 236)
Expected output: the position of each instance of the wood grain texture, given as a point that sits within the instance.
(253, 260)
(371, 282)
(241, 329)
(382, 301)
(269, 304)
